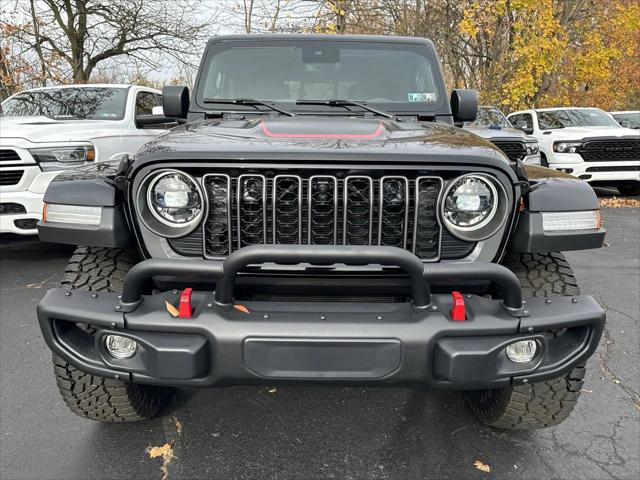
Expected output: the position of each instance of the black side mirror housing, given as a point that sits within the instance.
(175, 101)
(464, 105)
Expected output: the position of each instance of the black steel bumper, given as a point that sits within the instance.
(414, 342)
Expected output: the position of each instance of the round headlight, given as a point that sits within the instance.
(174, 198)
(474, 207)
(170, 203)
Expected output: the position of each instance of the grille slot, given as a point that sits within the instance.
(323, 210)
(287, 209)
(252, 210)
(358, 210)
(8, 155)
(218, 238)
(12, 209)
(10, 177)
(427, 230)
(393, 218)
(610, 150)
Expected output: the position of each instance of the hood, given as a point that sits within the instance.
(317, 134)
(577, 133)
(486, 132)
(46, 130)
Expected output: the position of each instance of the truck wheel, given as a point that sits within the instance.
(543, 404)
(91, 396)
(629, 190)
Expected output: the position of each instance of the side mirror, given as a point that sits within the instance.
(175, 101)
(624, 123)
(523, 126)
(464, 105)
(157, 110)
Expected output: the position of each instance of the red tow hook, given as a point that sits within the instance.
(184, 308)
(458, 313)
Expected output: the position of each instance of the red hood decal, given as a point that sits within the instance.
(336, 135)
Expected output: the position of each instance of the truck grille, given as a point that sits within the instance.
(289, 209)
(513, 150)
(610, 150)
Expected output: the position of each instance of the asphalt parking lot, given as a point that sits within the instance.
(304, 432)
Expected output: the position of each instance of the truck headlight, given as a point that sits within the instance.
(474, 207)
(60, 158)
(566, 146)
(171, 203)
(532, 147)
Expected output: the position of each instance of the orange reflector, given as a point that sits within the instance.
(44, 212)
(598, 219)
(91, 154)
(241, 308)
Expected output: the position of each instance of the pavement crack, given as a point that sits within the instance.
(603, 357)
(624, 314)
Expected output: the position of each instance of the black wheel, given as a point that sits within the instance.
(92, 396)
(629, 190)
(543, 404)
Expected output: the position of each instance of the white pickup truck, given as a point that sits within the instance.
(47, 130)
(587, 143)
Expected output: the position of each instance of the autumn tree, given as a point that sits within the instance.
(87, 34)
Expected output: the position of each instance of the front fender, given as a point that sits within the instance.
(553, 191)
(91, 186)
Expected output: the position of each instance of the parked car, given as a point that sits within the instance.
(586, 143)
(494, 126)
(48, 130)
(325, 224)
(629, 118)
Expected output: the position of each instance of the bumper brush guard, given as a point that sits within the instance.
(416, 343)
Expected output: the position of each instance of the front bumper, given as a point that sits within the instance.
(415, 343)
(602, 172)
(28, 194)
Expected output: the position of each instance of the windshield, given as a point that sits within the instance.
(584, 117)
(69, 103)
(404, 76)
(489, 117)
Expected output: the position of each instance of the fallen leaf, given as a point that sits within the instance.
(178, 425)
(483, 467)
(617, 202)
(166, 452)
(173, 311)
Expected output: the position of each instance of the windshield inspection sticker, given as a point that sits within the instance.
(422, 97)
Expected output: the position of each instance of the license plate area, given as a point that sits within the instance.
(322, 358)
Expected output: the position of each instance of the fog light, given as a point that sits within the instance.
(523, 351)
(120, 347)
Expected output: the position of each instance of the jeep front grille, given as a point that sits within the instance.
(322, 210)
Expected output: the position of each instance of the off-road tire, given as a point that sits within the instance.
(91, 396)
(629, 190)
(538, 405)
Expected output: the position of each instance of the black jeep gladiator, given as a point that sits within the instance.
(316, 217)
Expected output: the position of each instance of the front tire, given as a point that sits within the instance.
(629, 190)
(543, 404)
(91, 396)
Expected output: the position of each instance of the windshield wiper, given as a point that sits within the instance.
(250, 102)
(345, 103)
